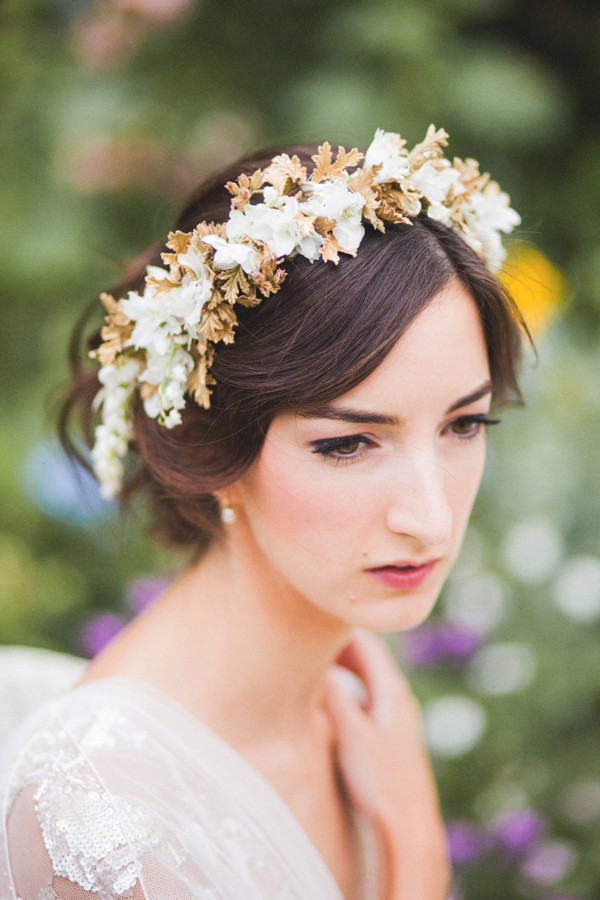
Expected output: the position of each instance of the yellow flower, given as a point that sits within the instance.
(537, 285)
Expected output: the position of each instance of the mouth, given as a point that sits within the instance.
(404, 576)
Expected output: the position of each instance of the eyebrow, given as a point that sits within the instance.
(362, 417)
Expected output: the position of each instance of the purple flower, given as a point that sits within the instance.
(422, 645)
(518, 832)
(436, 642)
(100, 631)
(459, 642)
(142, 591)
(466, 842)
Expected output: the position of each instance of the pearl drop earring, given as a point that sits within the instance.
(228, 516)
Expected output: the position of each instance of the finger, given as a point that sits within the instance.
(368, 656)
(346, 710)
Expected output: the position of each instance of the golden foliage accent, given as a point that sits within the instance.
(199, 379)
(535, 283)
(147, 390)
(364, 183)
(398, 204)
(429, 148)
(244, 188)
(284, 172)
(162, 285)
(233, 283)
(115, 332)
(326, 168)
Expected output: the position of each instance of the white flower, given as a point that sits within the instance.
(193, 260)
(387, 151)
(435, 180)
(233, 253)
(276, 226)
(334, 200)
(154, 322)
(486, 214)
(168, 372)
(272, 197)
(112, 436)
(185, 303)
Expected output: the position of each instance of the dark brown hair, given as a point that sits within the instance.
(324, 332)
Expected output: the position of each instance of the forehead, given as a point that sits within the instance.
(442, 353)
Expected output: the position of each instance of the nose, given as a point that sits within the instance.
(419, 505)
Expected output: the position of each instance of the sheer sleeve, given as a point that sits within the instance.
(68, 836)
(114, 793)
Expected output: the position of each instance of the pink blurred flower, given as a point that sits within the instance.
(109, 164)
(104, 39)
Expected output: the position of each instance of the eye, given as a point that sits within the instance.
(346, 448)
(470, 426)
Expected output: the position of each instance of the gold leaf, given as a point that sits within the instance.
(363, 183)
(430, 148)
(115, 332)
(325, 168)
(347, 160)
(197, 385)
(470, 176)
(322, 161)
(232, 283)
(331, 249)
(179, 241)
(203, 229)
(116, 315)
(147, 390)
(170, 259)
(243, 189)
(324, 226)
(218, 324)
(161, 285)
(370, 214)
(256, 180)
(304, 223)
(284, 172)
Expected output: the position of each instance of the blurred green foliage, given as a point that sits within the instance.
(111, 111)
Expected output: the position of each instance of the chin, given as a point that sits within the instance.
(399, 613)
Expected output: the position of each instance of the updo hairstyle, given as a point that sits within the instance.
(324, 332)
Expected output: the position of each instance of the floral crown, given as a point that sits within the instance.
(162, 340)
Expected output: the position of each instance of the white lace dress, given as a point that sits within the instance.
(114, 791)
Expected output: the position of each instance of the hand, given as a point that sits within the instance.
(387, 774)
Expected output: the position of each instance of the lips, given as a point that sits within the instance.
(403, 576)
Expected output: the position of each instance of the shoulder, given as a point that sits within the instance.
(56, 797)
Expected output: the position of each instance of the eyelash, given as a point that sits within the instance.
(329, 446)
(475, 419)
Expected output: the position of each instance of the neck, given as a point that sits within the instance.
(240, 648)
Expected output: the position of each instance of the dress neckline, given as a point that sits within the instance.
(248, 786)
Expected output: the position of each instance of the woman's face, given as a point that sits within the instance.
(360, 506)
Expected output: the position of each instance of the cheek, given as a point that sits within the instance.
(463, 486)
(303, 503)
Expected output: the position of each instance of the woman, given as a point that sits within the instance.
(304, 388)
